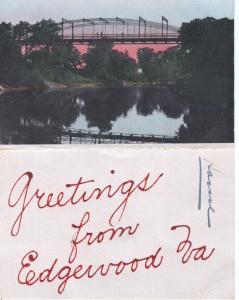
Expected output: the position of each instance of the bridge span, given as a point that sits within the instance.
(118, 31)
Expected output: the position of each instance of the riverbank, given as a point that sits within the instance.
(50, 85)
(5, 88)
(47, 86)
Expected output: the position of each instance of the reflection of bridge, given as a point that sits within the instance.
(117, 30)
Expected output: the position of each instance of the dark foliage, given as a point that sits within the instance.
(104, 63)
(207, 54)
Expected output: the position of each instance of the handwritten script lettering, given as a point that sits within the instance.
(65, 273)
(210, 174)
(27, 275)
(61, 270)
(77, 195)
(111, 233)
(188, 251)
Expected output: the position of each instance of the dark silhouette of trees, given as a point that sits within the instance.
(11, 60)
(104, 63)
(33, 62)
(30, 56)
(36, 117)
(206, 56)
(44, 33)
(160, 66)
(208, 45)
(149, 62)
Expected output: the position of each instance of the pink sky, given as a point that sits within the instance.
(132, 49)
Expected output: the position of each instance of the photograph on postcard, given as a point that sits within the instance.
(110, 72)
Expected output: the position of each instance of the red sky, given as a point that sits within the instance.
(132, 49)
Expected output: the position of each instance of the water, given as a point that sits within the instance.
(127, 110)
(40, 117)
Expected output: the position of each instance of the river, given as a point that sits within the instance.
(32, 117)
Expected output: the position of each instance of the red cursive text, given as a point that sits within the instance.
(19, 196)
(27, 276)
(186, 247)
(90, 239)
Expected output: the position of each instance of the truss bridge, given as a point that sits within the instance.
(118, 31)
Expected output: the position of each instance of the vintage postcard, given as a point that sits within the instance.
(117, 149)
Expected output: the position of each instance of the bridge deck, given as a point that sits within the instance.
(122, 39)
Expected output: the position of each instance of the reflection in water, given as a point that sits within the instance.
(30, 117)
(210, 118)
(40, 117)
(130, 110)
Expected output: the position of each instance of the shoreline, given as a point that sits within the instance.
(58, 86)
(49, 86)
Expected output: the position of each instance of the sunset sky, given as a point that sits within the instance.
(177, 11)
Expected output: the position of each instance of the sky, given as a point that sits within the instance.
(176, 11)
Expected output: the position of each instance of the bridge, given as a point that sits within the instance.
(118, 31)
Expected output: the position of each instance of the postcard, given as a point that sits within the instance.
(117, 149)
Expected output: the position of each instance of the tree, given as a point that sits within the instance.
(44, 33)
(20, 30)
(104, 63)
(32, 67)
(121, 66)
(149, 61)
(97, 60)
(208, 44)
(207, 51)
(170, 63)
(207, 58)
(65, 56)
(10, 55)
